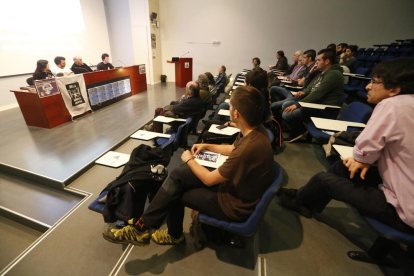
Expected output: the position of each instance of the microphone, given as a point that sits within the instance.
(185, 53)
(120, 61)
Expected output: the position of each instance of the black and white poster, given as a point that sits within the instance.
(74, 94)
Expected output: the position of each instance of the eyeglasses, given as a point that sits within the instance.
(376, 82)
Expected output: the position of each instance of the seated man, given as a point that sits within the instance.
(230, 192)
(79, 67)
(60, 69)
(295, 59)
(221, 80)
(256, 63)
(326, 88)
(340, 48)
(255, 78)
(278, 93)
(348, 58)
(105, 64)
(282, 62)
(190, 105)
(378, 180)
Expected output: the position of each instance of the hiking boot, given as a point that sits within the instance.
(127, 234)
(291, 203)
(162, 237)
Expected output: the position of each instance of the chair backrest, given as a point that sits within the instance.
(182, 134)
(356, 112)
(361, 70)
(342, 98)
(345, 69)
(249, 227)
(196, 119)
(30, 81)
(389, 232)
(168, 147)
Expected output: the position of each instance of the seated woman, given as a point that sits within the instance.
(42, 70)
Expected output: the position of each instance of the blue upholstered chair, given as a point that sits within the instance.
(387, 239)
(180, 136)
(249, 228)
(354, 112)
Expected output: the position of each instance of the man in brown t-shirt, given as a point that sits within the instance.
(230, 192)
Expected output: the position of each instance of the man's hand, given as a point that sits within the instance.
(299, 94)
(186, 155)
(198, 148)
(354, 166)
(290, 108)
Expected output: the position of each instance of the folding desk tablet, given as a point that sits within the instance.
(224, 112)
(148, 135)
(335, 125)
(228, 131)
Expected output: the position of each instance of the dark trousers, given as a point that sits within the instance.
(181, 188)
(364, 195)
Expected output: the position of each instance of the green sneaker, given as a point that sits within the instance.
(127, 234)
(162, 237)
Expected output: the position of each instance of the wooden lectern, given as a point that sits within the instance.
(183, 71)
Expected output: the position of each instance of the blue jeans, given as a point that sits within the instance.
(224, 106)
(294, 119)
(278, 93)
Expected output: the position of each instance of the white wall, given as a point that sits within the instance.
(120, 33)
(248, 28)
(141, 35)
(128, 31)
(90, 43)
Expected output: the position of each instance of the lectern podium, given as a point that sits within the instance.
(183, 71)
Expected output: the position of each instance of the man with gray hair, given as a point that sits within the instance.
(79, 67)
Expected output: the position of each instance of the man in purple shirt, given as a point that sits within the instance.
(379, 179)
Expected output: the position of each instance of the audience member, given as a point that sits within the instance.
(298, 71)
(79, 67)
(256, 63)
(282, 62)
(59, 70)
(296, 56)
(340, 48)
(205, 94)
(324, 89)
(229, 193)
(42, 70)
(257, 79)
(190, 105)
(279, 95)
(211, 83)
(378, 180)
(311, 71)
(221, 79)
(331, 46)
(348, 58)
(105, 64)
